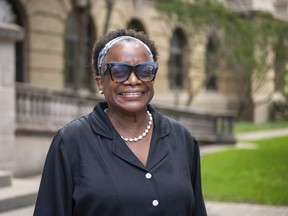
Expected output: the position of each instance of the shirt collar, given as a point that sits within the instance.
(101, 124)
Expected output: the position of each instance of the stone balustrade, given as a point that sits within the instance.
(45, 110)
(206, 126)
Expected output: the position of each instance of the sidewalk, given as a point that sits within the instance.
(242, 209)
(242, 141)
(263, 134)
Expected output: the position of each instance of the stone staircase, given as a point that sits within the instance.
(16, 193)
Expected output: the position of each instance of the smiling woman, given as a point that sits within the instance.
(124, 158)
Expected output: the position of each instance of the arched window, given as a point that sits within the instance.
(280, 64)
(136, 25)
(79, 37)
(71, 46)
(212, 63)
(177, 60)
(11, 11)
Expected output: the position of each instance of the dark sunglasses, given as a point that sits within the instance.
(144, 71)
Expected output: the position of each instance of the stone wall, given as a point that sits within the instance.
(9, 33)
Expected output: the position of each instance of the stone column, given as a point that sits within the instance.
(9, 34)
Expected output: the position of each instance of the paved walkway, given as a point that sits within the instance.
(219, 208)
(242, 209)
(263, 134)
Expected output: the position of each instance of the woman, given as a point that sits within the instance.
(124, 158)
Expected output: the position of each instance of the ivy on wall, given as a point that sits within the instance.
(247, 39)
(244, 34)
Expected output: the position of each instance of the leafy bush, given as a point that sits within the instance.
(280, 108)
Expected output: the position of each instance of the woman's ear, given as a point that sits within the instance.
(99, 82)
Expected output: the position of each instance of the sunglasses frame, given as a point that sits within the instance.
(132, 68)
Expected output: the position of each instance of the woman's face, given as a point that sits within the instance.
(133, 95)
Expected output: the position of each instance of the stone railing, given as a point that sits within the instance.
(45, 110)
(207, 127)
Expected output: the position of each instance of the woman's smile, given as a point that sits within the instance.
(132, 94)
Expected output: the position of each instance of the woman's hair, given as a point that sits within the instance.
(102, 41)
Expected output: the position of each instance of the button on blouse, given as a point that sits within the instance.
(148, 175)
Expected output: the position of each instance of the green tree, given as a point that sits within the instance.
(247, 41)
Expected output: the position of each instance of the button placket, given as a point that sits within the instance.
(155, 202)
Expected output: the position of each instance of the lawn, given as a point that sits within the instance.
(243, 127)
(252, 176)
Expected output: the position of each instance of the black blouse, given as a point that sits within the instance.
(89, 170)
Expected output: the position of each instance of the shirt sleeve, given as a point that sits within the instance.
(200, 209)
(55, 191)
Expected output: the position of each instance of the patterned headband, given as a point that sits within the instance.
(111, 43)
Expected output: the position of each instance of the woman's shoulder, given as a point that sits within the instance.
(76, 126)
(175, 125)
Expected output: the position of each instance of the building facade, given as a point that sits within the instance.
(54, 54)
(59, 34)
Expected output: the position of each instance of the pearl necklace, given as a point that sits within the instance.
(145, 132)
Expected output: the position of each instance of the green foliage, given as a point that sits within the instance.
(246, 41)
(253, 176)
(242, 32)
(280, 109)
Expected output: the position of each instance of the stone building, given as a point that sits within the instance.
(46, 79)
(53, 55)
(59, 35)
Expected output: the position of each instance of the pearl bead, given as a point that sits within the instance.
(145, 132)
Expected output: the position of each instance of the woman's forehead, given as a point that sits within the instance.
(127, 50)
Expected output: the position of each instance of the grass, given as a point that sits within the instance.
(251, 176)
(243, 127)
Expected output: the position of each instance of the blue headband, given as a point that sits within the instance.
(111, 43)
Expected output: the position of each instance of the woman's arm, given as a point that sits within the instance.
(55, 192)
(200, 209)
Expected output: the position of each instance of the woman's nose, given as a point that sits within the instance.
(133, 80)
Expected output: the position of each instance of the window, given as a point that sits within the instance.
(211, 66)
(71, 43)
(78, 46)
(136, 25)
(177, 60)
(280, 64)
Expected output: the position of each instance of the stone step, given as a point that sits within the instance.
(25, 211)
(5, 179)
(21, 193)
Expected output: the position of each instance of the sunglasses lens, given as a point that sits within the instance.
(119, 73)
(146, 72)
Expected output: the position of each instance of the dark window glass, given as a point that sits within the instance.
(136, 25)
(176, 63)
(211, 66)
(78, 74)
